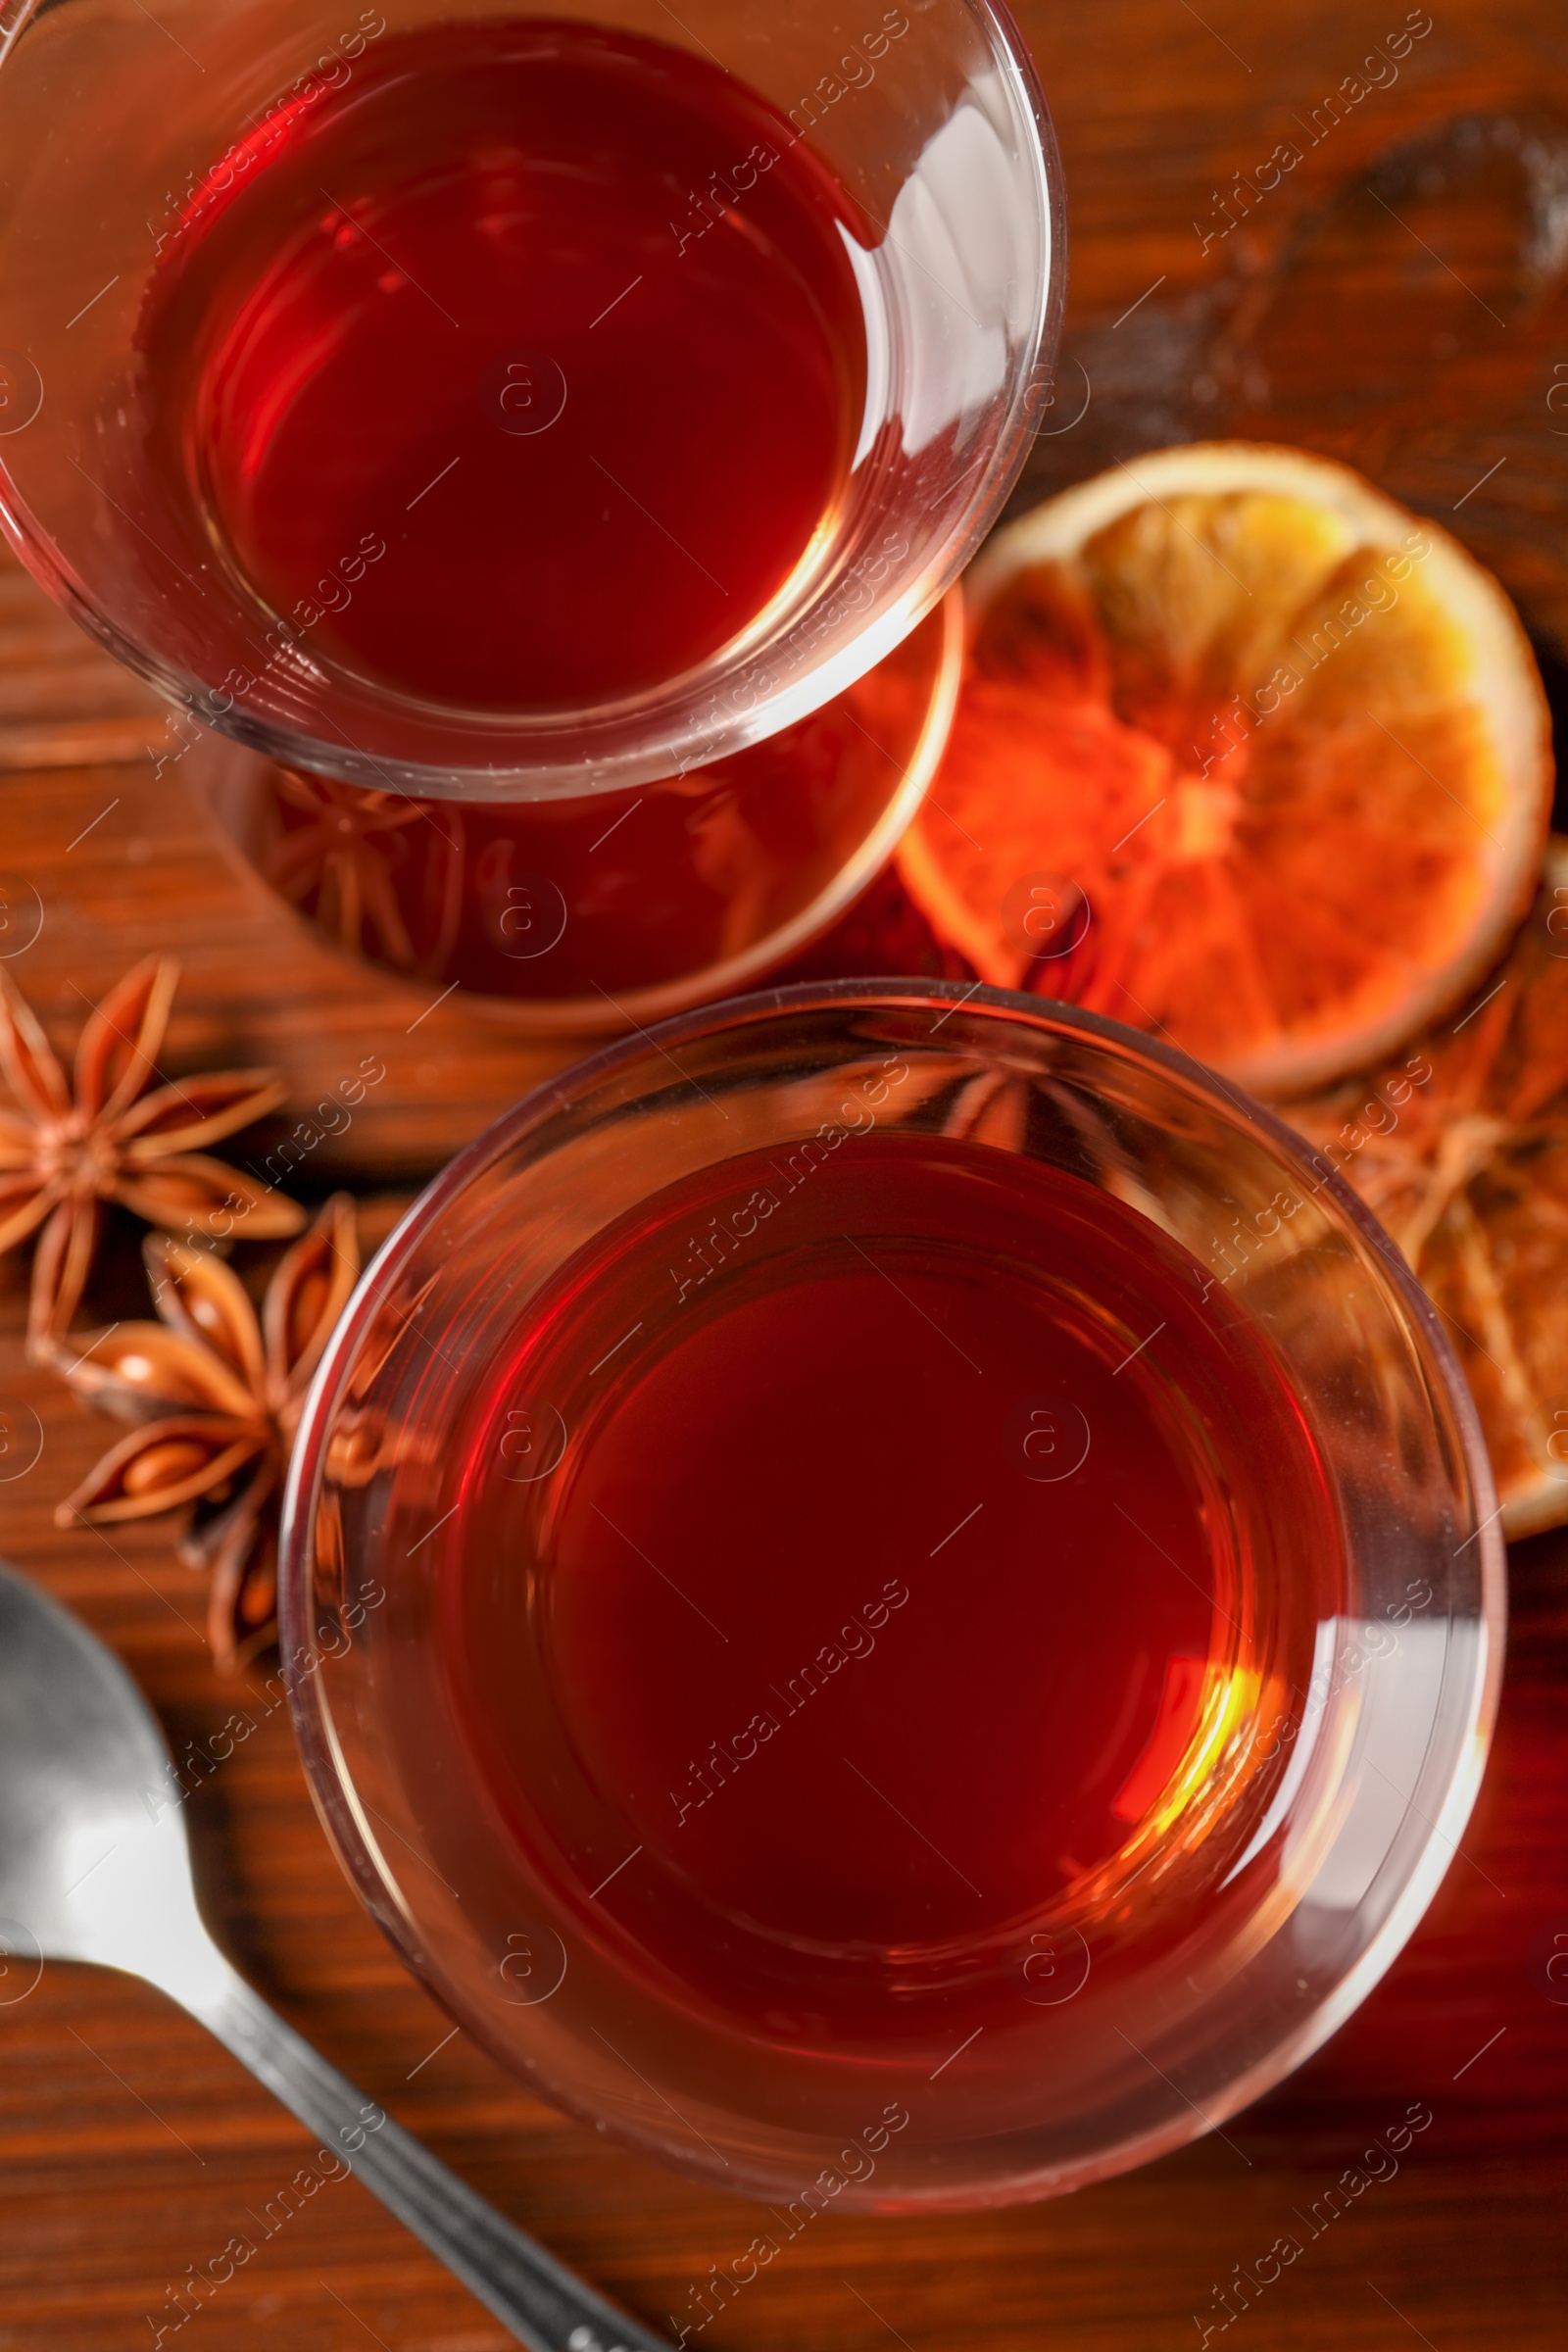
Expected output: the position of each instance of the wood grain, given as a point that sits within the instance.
(130, 2146)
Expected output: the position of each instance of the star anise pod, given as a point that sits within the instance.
(215, 1391)
(341, 866)
(71, 1145)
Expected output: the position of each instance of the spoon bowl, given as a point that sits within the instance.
(94, 1862)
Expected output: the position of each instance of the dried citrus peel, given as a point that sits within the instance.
(1290, 742)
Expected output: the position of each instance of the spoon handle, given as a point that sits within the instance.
(540, 2300)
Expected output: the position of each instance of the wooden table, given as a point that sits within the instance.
(130, 2146)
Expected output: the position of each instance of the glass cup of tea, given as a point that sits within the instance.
(488, 407)
(891, 1593)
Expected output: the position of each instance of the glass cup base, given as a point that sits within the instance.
(590, 917)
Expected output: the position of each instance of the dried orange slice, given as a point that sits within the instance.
(1246, 754)
(1461, 1149)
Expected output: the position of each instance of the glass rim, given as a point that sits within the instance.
(331, 1783)
(684, 739)
(1046, 1013)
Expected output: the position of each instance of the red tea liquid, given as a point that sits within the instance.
(520, 370)
(866, 1553)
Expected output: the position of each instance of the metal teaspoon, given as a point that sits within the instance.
(91, 1870)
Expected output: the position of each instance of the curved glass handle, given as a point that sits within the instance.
(540, 2300)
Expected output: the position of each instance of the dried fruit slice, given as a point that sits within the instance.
(1461, 1149)
(1246, 754)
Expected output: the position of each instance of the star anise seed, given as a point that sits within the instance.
(215, 1393)
(71, 1145)
(341, 866)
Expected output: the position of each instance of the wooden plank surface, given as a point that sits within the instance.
(131, 2147)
